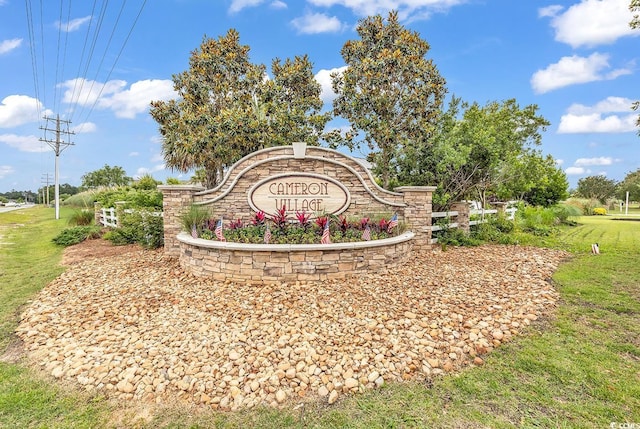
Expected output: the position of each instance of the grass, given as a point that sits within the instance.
(28, 261)
(579, 369)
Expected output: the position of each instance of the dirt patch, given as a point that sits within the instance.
(96, 248)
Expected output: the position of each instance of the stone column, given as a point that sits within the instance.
(119, 212)
(464, 212)
(501, 208)
(417, 213)
(176, 199)
(97, 212)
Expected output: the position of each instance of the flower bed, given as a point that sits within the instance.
(281, 229)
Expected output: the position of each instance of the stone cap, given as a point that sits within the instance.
(214, 244)
(415, 188)
(180, 187)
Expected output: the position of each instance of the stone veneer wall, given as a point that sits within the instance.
(281, 262)
(270, 263)
(229, 199)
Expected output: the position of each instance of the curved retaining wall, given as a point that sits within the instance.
(260, 263)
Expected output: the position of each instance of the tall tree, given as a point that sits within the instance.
(227, 108)
(631, 184)
(292, 103)
(105, 176)
(597, 187)
(390, 92)
(471, 149)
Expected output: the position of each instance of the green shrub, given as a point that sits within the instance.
(82, 217)
(142, 227)
(134, 198)
(146, 182)
(586, 205)
(456, 237)
(195, 216)
(565, 212)
(75, 235)
(173, 181)
(494, 231)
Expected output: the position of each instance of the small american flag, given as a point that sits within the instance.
(366, 234)
(219, 233)
(194, 232)
(267, 235)
(326, 239)
(393, 222)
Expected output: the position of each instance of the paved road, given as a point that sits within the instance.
(8, 209)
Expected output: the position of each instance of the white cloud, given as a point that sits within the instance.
(278, 5)
(113, 95)
(324, 79)
(602, 160)
(24, 143)
(559, 161)
(128, 103)
(596, 123)
(19, 109)
(591, 22)
(85, 127)
(574, 171)
(6, 170)
(315, 23)
(238, 5)
(134, 153)
(9, 45)
(574, 70)
(609, 104)
(597, 118)
(74, 24)
(407, 9)
(551, 11)
(143, 170)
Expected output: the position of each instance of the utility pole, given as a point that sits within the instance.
(46, 179)
(58, 146)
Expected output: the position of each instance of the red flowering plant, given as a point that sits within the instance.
(301, 230)
(303, 219)
(321, 221)
(279, 219)
(383, 224)
(343, 224)
(236, 224)
(258, 218)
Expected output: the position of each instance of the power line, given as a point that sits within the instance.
(32, 51)
(58, 145)
(45, 180)
(117, 58)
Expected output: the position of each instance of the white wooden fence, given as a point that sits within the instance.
(510, 212)
(108, 216)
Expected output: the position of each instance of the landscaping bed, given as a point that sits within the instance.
(136, 326)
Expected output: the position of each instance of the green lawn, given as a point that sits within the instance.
(579, 369)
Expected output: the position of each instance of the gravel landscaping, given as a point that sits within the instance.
(135, 326)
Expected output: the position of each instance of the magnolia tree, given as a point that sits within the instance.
(389, 92)
(228, 107)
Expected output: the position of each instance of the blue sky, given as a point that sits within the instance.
(577, 60)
